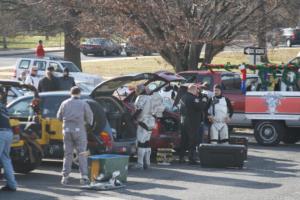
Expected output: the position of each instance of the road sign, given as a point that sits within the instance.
(254, 51)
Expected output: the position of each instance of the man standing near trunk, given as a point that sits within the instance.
(75, 114)
(191, 114)
(219, 114)
(147, 108)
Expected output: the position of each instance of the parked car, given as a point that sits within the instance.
(14, 90)
(25, 151)
(285, 36)
(24, 65)
(100, 46)
(98, 142)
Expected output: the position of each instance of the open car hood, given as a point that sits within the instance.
(108, 87)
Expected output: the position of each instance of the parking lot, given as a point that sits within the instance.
(270, 173)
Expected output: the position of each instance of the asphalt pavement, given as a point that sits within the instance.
(270, 173)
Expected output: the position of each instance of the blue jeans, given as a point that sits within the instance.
(6, 138)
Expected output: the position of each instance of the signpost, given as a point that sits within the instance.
(255, 51)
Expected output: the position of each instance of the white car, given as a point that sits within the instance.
(24, 65)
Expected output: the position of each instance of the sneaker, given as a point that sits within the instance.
(137, 167)
(65, 180)
(8, 189)
(84, 180)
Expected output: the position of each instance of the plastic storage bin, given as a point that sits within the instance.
(106, 164)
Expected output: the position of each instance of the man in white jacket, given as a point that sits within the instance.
(32, 78)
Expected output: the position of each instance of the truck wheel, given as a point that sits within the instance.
(269, 133)
(290, 137)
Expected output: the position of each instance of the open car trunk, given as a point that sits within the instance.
(118, 118)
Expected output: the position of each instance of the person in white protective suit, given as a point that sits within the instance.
(147, 107)
(220, 112)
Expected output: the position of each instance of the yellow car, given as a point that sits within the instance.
(26, 152)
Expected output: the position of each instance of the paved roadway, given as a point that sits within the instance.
(271, 173)
(9, 61)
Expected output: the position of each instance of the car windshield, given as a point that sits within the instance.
(71, 66)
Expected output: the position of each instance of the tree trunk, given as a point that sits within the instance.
(183, 58)
(175, 60)
(262, 32)
(194, 56)
(72, 42)
(211, 51)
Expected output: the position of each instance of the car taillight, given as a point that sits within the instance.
(16, 136)
(16, 130)
(106, 139)
(156, 129)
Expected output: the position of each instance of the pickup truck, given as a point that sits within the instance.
(271, 124)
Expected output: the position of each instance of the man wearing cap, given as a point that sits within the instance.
(6, 139)
(66, 82)
(219, 114)
(32, 79)
(49, 82)
(75, 114)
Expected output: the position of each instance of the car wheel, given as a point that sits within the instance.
(269, 133)
(104, 53)
(288, 43)
(128, 54)
(27, 165)
(290, 137)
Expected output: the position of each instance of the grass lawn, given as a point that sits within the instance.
(275, 56)
(126, 66)
(21, 42)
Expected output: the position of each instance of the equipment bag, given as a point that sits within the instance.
(222, 156)
(236, 140)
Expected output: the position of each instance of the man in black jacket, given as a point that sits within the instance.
(191, 111)
(66, 82)
(49, 82)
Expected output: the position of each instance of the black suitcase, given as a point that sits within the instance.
(237, 140)
(222, 155)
